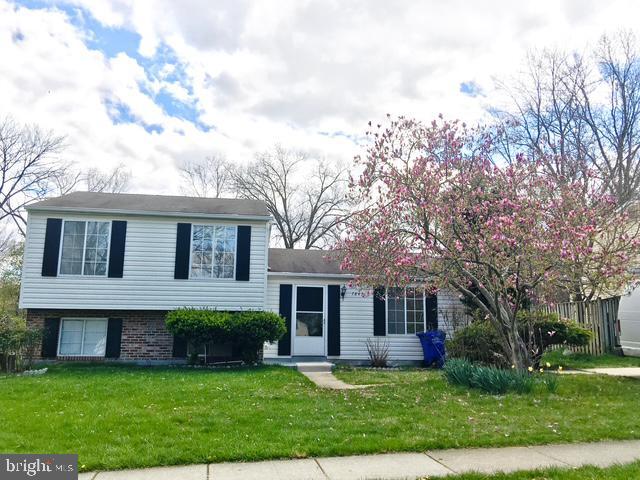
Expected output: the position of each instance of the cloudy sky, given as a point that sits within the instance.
(152, 83)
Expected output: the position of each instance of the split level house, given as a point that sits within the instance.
(102, 270)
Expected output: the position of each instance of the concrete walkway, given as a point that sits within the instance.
(433, 463)
(321, 374)
(329, 380)
(627, 372)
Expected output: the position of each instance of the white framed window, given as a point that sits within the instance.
(82, 337)
(406, 309)
(84, 249)
(213, 251)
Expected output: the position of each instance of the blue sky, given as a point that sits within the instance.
(154, 84)
(111, 41)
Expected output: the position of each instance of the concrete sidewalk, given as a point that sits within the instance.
(396, 465)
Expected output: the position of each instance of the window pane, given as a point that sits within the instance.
(308, 324)
(101, 268)
(201, 251)
(224, 251)
(395, 311)
(95, 337)
(97, 245)
(415, 310)
(71, 337)
(72, 248)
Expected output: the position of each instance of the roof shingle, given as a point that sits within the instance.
(127, 202)
(304, 261)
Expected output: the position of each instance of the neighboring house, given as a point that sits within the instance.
(101, 271)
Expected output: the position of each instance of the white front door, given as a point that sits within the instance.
(308, 320)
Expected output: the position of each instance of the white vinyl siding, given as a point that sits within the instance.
(149, 264)
(356, 319)
(83, 337)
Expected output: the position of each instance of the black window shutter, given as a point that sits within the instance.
(116, 249)
(50, 337)
(284, 345)
(243, 252)
(379, 314)
(179, 347)
(432, 312)
(114, 338)
(51, 247)
(183, 251)
(333, 320)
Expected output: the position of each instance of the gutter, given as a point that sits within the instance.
(318, 275)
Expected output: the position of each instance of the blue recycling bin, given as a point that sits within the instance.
(433, 347)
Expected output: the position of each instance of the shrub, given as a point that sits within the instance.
(378, 352)
(250, 330)
(246, 330)
(543, 330)
(199, 325)
(18, 343)
(478, 342)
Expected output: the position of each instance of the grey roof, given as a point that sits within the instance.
(159, 204)
(304, 261)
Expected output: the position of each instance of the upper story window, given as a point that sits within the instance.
(405, 311)
(85, 248)
(213, 251)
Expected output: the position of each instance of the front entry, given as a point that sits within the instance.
(309, 321)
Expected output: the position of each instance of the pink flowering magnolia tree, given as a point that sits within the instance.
(437, 208)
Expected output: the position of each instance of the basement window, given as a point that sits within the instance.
(82, 337)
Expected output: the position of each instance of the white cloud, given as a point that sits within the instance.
(309, 74)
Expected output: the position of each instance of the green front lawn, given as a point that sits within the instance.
(625, 472)
(582, 360)
(128, 417)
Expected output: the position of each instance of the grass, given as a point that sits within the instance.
(618, 472)
(582, 360)
(117, 416)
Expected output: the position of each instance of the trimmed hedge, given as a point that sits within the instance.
(247, 330)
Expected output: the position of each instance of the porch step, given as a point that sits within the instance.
(314, 366)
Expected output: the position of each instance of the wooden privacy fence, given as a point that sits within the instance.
(599, 316)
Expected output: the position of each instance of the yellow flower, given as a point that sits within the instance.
(542, 370)
(548, 365)
(513, 366)
(530, 369)
(560, 368)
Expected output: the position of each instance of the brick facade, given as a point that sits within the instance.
(144, 335)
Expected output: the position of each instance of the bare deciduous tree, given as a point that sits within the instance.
(576, 112)
(29, 168)
(546, 120)
(210, 177)
(615, 125)
(305, 196)
(116, 180)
